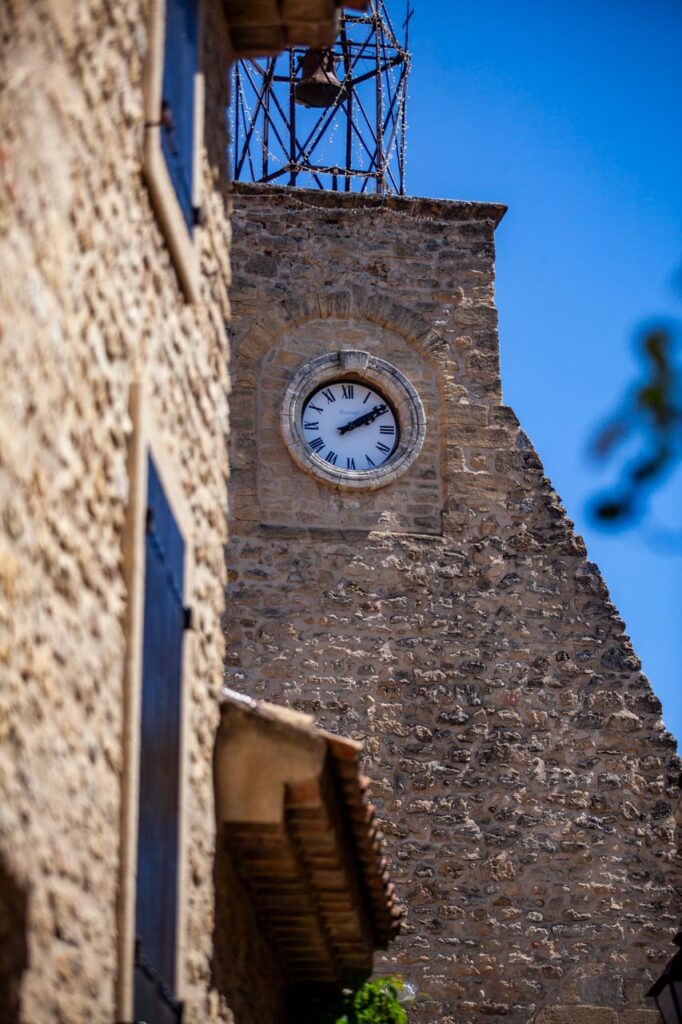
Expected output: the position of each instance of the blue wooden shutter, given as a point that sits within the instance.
(158, 821)
(180, 62)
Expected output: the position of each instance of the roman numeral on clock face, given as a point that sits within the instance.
(369, 461)
(311, 425)
(316, 444)
(315, 407)
(348, 390)
(331, 457)
(329, 395)
(387, 429)
(383, 447)
(350, 463)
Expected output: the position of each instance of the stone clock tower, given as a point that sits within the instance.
(401, 567)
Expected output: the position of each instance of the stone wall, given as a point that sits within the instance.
(523, 774)
(90, 302)
(412, 505)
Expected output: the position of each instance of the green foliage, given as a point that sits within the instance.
(649, 423)
(375, 1002)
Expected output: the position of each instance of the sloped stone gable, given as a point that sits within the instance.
(524, 777)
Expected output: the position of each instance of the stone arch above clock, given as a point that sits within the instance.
(269, 488)
(414, 275)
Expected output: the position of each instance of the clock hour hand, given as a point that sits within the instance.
(367, 417)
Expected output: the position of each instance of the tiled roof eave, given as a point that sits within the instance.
(263, 28)
(315, 871)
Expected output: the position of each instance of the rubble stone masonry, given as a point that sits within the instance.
(90, 305)
(452, 621)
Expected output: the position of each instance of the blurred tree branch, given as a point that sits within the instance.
(650, 420)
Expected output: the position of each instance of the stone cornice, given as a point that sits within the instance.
(410, 206)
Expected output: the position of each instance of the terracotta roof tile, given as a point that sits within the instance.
(260, 28)
(292, 804)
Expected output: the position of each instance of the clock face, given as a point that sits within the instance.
(352, 420)
(349, 425)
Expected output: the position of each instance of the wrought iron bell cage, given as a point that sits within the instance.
(329, 119)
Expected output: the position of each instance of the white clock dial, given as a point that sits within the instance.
(349, 425)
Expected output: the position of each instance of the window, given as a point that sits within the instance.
(180, 60)
(158, 571)
(156, 889)
(173, 123)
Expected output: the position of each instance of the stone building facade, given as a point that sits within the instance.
(114, 370)
(450, 619)
(101, 356)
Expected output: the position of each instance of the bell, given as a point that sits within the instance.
(318, 85)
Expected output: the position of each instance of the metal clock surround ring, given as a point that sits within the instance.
(367, 405)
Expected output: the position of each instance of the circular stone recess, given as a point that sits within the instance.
(352, 420)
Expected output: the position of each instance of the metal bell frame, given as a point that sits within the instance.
(276, 140)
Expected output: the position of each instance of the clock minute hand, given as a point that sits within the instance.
(368, 417)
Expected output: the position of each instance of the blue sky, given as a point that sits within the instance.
(571, 115)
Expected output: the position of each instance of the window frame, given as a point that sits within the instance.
(147, 441)
(183, 245)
